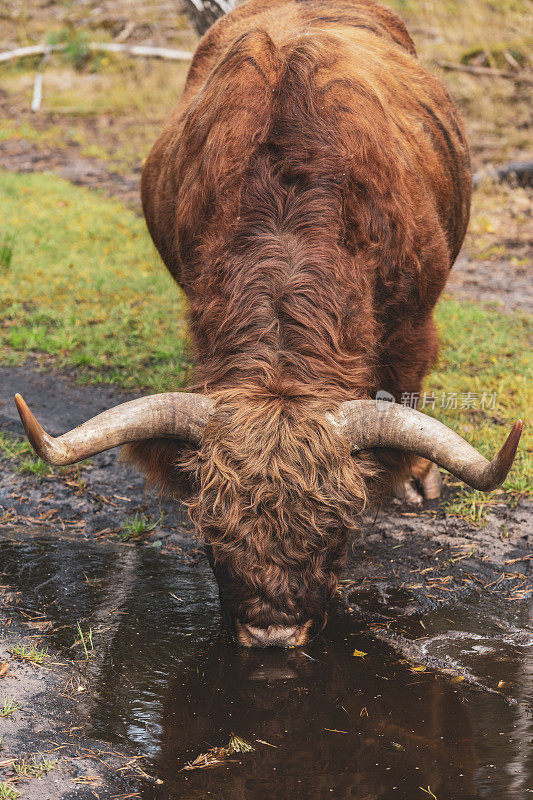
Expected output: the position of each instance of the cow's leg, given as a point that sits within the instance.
(424, 483)
(432, 483)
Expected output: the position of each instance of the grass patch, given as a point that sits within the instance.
(500, 223)
(137, 527)
(22, 451)
(6, 252)
(7, 706)
(36, 467)
(8, 792)
(86, 641)
(87, 287)
(34, 768)
(486, 361)
(31, 654)
(74, 46)
(13, 448)
(469, 504)
(138, 95)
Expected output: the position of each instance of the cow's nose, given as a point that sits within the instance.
(273, 636)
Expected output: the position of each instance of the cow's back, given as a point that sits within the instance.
(333, 84)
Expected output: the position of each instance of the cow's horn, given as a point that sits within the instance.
(172, 414)
(365, 424)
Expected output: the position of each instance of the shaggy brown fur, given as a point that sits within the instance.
(279, 496)
(310, 195)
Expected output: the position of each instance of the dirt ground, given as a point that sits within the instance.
(19, 155)
(45, 731)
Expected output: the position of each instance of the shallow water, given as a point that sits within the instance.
(164, 681)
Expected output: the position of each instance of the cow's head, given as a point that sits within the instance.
(278, 495)
(281, 480)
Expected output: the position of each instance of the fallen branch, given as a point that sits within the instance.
(22, 52)
(138, 51)
(37, 92)
(143, 51)
(420, 661)
(491, 72)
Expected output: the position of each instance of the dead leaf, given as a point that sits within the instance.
(359, 653)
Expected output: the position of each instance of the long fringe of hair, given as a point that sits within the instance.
(279, 493)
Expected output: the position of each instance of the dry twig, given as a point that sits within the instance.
(522, 76)
(138, 51)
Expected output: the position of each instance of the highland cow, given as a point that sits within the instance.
(310, 195)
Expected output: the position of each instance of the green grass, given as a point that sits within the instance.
(86, 640)
(74, 46)
(485, 352)
(37, 467)
(13, 448)
(86, 287)
(87, 292)
(6, 252)
(22, 452)
(7, 706)
(137, 527)
(7, 792)
(28, 464)
(34, 768)
(30, 653)
(469, 504)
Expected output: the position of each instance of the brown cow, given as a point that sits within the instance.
(309, 194)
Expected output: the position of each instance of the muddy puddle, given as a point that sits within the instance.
(163, 681)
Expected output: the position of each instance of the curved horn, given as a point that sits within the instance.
(365, 425)
(172, 414)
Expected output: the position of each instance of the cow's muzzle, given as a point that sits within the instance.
(273, 636)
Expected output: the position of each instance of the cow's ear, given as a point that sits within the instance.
(169, 464)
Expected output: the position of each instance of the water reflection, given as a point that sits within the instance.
(338, 728)
(164, 679)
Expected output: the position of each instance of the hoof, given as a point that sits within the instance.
(432, 484)
(415, 490)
